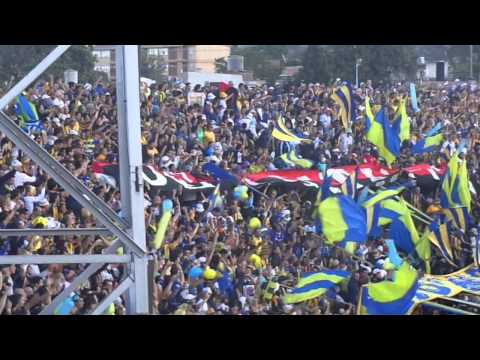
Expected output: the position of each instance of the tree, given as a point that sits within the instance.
(379, 62)
(221, 65)
(152, 66)
(264, 60)
(316, 65)
(17, 60)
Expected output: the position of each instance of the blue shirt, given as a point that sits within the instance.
(277, 236)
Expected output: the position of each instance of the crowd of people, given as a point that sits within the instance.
(212, 261)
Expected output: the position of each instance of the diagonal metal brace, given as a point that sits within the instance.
(119, 290)
(33, 75)
(55, 232)
(78, 281)
(72, 185)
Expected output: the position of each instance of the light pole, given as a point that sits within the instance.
(357, 64)
(471, 62)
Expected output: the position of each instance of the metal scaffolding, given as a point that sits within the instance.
(129, 230)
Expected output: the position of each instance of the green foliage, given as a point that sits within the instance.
(152, 66)
(221, 65)
(17, 60)
(264, 60)
(379, 62)
(316, 65)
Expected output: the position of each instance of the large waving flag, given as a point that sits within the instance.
(168, 181)
(382, 134)
(342, 219)
(428, 144)
(455, 190)
(282, 133)
(373, 221)
(402, 118)
(349, 186)
(291, 159)
(439, 237)
(28, 115)
(378, 210)
(312, 285)
(344, 99)
(459, 217)
(402, 228)
(424, 250)
(390, 297)
(26, 110)
(382, 195)
(219, 174)
(435, 130)
(325, 191)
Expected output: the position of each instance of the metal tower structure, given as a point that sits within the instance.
(129, 230)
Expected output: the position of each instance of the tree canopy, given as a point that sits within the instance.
(17, 60)
(264, 60)
(379, 62)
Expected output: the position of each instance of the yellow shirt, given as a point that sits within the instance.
(209, 136)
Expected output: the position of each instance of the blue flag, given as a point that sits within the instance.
(413, 96)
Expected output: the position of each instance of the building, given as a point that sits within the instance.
(178, 58)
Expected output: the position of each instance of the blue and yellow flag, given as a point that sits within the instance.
(455, 190)
(373, 221)
(428, 144)
(435, 130)
(382, 195)
(342, 220)
(315, 284)
(349, 186)
(291, 159)
(439, 237)
(382, 134)
(424, 250)
(325, 191)
(390, 297)
(282, 133)
(459, 217)
(402, 228)
(343, 97)
(26, 111)
(401, 118)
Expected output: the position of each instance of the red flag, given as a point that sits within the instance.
(224, 87)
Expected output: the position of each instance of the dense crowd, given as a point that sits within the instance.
(212, 262)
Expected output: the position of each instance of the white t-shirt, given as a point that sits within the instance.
(326, 120)
(58, 102)
(344, 142)
(22, 178)
(449, 145)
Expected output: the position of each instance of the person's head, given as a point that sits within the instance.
(107, 285)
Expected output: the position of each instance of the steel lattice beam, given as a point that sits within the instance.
(32, 75)
(64, 259)
(129, 231)
(54, 232)
(119, 290)
(72, 185)
(78, 281)
(130, 161)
